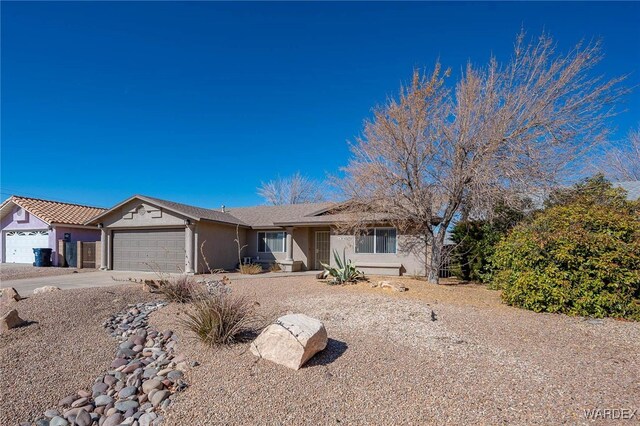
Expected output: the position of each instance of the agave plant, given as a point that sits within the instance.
(345, 271)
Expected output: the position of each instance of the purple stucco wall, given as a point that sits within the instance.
(77, 234)
(8, 223)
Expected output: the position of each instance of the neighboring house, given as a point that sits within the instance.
(29, 223)
(145, 233)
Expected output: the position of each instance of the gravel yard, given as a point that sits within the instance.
(61, 351)
(18, 271)
(387, 362)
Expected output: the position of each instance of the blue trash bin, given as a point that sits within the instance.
(43, 256)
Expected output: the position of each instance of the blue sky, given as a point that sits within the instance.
(200, 102)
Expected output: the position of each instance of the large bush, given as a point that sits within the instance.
(580, 256)
(475, 240)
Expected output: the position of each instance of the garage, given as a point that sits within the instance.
(149, 250)
(20, 244)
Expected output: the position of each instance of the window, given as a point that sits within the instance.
(272, 242)
(377, 240)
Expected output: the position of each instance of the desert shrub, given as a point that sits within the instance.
(181, 289)
(344, 272)
(251, 269)
(274, 267)
(579, 257)
(223, 319)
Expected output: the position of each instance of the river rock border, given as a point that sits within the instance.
(140, 383)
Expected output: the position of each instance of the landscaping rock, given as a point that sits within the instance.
(113, 420)
(46, 289)
(127, 392)
(150, 385)
(9, 294)
(158, 397)
(291, 340)
(392, 286)
(58, 421)
(99, 389)
(126, 405)
(10, 320)
(83, 418)
(51, 413)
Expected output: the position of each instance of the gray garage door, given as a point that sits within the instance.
(149, 250)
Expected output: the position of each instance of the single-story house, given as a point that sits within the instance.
(145, 233)
(29, 223)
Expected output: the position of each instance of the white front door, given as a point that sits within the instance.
(322, 248)
(19, 245)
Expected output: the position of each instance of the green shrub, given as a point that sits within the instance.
(579, 257)
(223, 319)
(475, 240)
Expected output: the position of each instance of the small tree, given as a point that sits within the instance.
(296, 189)
(622, 163)
(506, 130)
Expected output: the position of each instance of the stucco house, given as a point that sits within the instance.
(146, 233)
(28, 223)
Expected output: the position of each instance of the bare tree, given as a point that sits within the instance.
(505, 130)
(622, 163)
(296, 189)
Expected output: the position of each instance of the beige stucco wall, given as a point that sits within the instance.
(128, 217)
(410, 253)
(220, 248)
(302, 247)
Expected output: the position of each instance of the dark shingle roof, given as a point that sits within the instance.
(269, 216)
(199, 213)
(196, 213)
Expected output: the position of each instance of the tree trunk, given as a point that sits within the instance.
(434, 257)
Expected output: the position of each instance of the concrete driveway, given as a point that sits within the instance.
(25, 286)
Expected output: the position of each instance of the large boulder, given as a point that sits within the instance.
(46, 289)
(9, 294)
(291, 340)
(10, 320)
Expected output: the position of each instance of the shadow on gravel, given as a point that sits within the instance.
(27, 323)
(333, 351)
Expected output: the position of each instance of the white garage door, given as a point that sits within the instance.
(19, 245)
(149, 250)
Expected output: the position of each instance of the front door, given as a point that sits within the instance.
(322, 248)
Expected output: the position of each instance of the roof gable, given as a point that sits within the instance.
(192, 212)
(52, 212)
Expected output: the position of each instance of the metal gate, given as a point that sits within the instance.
(71, 254)
(89, 255)
(323, 248)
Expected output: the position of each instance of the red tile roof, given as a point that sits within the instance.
(55, 211)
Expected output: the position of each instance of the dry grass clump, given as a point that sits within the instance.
(251, 269)
(224, 319)
(180, 289)
(274, 267)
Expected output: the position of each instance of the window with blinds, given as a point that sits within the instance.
(272, 242)
(376, 240)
